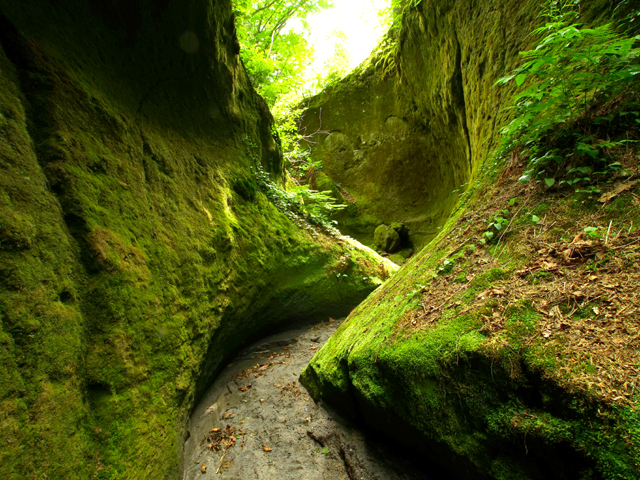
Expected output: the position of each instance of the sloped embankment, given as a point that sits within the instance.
(512, 360)
(130, 266)
(511, 357)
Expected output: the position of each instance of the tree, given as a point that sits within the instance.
(275, 56)
(337, 66)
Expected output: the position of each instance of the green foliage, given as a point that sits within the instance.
(297, 158)
(497, 224)
(274, 56)
(594, 232)
(393, 13)
(300, 203)
(337, 67)
(566, 80)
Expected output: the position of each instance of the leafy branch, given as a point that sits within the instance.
(565, 81)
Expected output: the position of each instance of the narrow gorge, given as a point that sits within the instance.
(142, 249)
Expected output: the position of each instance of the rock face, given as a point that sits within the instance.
(437, 388)
(135, 254)
(404, 142)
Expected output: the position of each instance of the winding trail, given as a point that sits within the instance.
(257, 422)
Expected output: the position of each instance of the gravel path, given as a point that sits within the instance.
(258, 422)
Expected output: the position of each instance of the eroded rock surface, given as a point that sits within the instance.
(130, 266)
(402, 138)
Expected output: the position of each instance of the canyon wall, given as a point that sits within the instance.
(130, 266)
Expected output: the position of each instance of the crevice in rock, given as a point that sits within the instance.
(347, 464)
(36, 87)
(458, 87)
(315, 438)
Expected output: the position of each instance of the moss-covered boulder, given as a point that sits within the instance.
(386, 239)
(136, 253)
(391, 238)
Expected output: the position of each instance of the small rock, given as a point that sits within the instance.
(386, 239)
(315, 339)
(390, 238)
(397, 258)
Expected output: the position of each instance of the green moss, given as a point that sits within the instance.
(476, 400)
(129, 269)
(246, 188)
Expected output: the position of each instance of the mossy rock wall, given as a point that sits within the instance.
(473, 412)
(405, 136)
(129, 266)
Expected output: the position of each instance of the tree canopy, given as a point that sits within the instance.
(274, 56)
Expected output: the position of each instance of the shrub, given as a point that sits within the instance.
(567, 79)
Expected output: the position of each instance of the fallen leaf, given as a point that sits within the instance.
(261, 400)
(616, 191)
(203, 468)
(227, 416)
(242, 389)
(214, 430)
(265, 448)
(313, 348)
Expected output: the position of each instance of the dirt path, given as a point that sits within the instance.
(258, 422)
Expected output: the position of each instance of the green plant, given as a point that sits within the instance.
(300, 203)
(567, 79)
(446, 268)
(496, 224)
(317, 204)
(589, 190)
(593, 232)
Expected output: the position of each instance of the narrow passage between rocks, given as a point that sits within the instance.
(257, 422)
